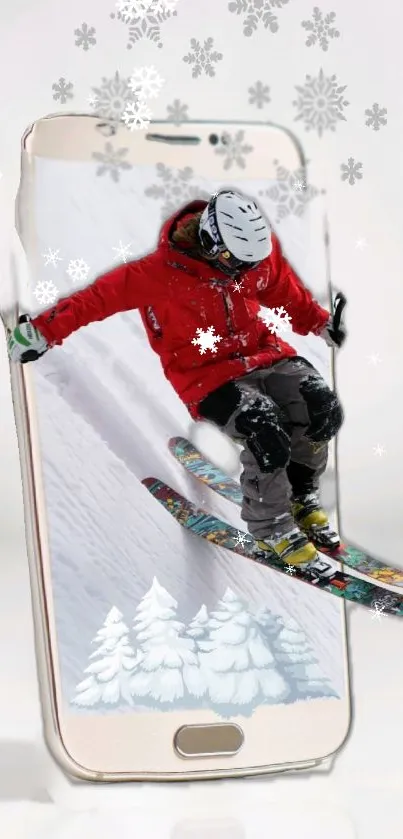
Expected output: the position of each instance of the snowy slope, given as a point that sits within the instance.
(105, 414)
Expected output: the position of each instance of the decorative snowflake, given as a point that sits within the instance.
(378, 612)
(206, 340)
(374, 359)
(177, 112)
(259, 94)
(202, 58)
(63, 90)
(379, 450)
(291, 192)
(277, 320)
(320, 29)
(175, 189)
(361, 244)
(52, 257)
(111, 161)
(256, 12)
(320, 103)
(241, 539)
(113, 95)
(351, 171)
(78, 270)
(92, 101)
(148, 23)
(137, 115)
(234, 149)
(290, 569)
(122, 251)
(132, 9)
(85, 36)
(45, 292)
(376, 117)
(238, 285)
(146, 83)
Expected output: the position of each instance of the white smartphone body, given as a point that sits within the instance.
(94, 417)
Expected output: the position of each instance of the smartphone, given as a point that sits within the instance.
(121, 593)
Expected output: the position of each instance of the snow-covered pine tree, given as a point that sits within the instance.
(295, 657)
(237, 662)
(167, 668)
(198, 626)
(107, 681)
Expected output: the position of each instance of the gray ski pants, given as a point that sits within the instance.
(284, 417)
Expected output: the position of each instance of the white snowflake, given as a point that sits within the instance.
(133, 9)
(361, 244)
(78, 270)
(136, 116)
(378, 612)
(299, 184)
(92, 101)
(238, 285)
(379, 450)
(374, 359)
(241, 539)
(146, 82)
(277, 320)
(45, 292)
(290, 569)
(206, 340)
(122, 251)
(52, 257)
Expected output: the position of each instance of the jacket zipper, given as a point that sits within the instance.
(229, 323)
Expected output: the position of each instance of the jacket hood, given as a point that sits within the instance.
(193, 207)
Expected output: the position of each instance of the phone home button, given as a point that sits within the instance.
(215, 740)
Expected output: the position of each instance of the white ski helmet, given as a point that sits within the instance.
(233, 225)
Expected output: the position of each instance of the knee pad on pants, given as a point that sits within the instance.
(266, 433)
(324, 409)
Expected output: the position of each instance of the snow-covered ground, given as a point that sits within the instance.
(123, 571)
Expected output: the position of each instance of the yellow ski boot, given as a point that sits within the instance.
(292, 548)
(314, 522)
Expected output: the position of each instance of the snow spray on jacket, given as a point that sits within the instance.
(204, 326)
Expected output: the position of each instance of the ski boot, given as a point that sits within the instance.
(292, 548)
(314, 522)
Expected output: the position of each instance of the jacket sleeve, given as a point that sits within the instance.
(286, 289)
(130, 286)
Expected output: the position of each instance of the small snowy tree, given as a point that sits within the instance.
(199, 626)
(108, 674)
(236, 660)
(295, 657)
(167, 666)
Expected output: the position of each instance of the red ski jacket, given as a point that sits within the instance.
(203, 325)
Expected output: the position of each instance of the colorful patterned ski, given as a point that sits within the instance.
(321, 573)
(184, 451)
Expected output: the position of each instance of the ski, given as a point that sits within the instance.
(320, 573)
(355, 558)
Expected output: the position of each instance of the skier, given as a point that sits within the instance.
(199, 295)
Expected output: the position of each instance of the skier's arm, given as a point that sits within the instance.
(286, 289)
(127, 287)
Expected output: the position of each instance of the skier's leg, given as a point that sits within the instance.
(316, 414)
(244, 412)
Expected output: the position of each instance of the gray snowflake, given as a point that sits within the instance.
(259, 94)
(320, 103)
(177, 112)
(111, 161)
(63, 90)
(112, 97)
(85, 36)
(147, 26)
(256, 12)
(234, 149)
(290, 193)
(175, 189)
(320, 29)
(351, 171)
(202, 57)
(376, 116)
